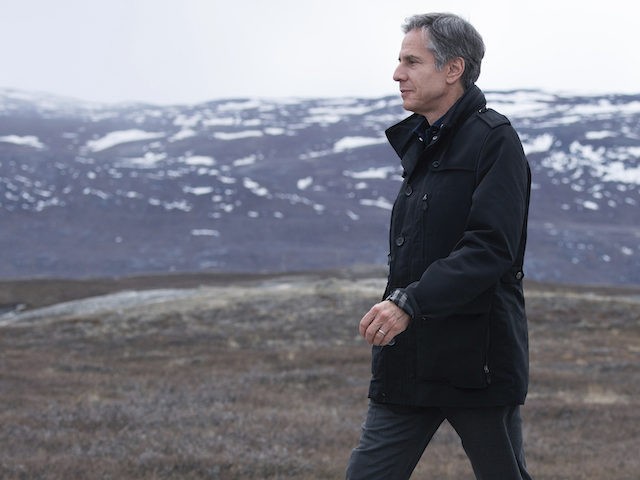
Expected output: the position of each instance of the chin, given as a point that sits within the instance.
(408, 107)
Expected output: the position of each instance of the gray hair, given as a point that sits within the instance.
(449, 37)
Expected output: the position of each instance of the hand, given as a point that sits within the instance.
(383, 322)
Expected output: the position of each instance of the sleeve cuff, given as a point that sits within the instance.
(401, 299)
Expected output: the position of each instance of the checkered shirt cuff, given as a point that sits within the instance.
(401, 299)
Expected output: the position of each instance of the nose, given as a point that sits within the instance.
(399, 74)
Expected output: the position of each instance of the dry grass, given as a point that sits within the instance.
(267, 380)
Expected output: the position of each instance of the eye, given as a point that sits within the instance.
(410, 60)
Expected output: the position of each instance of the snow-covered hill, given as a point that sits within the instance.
(273, 185)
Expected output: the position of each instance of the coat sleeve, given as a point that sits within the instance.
(462, 282)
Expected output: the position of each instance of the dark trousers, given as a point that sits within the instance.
(394, 438)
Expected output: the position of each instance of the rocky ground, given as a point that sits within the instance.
(219, 377)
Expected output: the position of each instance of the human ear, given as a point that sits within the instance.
(455, 69)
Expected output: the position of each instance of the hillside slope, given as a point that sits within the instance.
(265, 378)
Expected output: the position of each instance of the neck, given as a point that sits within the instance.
(448, 100)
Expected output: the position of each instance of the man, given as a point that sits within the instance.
(450, 338)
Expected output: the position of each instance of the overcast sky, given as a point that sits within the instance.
(185, 51)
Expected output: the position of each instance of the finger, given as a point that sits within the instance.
(380, 336)
(376, 333)
(365, 322)
(369, 334)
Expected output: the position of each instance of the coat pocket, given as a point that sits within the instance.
(454, 350)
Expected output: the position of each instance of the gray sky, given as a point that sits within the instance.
(183, 51)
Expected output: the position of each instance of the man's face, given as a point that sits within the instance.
(423, 88)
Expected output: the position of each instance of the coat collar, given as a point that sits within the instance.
(401, 134)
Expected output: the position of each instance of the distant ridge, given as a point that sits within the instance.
(251, 185)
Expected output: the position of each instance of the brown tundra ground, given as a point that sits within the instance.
(220, 377)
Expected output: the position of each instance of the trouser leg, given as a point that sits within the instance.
(492, 439)
(393, 440)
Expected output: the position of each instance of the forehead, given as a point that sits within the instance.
(415, 44)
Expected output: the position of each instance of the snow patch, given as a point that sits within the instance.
(255, 188)
(242, 162)
(119, 137)
(187, 121)
(238, 106)
(204, 232)
(182, 134)
(348, 143)
(589, 205)
(371, 173)
(200, 160)
(599, 135)
(198, 190)
(237, 135)
(380, 202)
(304, 183)
(148, 160)
(219, 122)
(541, 143)
(353, 216)
(23, 140)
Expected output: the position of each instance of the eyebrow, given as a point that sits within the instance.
(410, 58)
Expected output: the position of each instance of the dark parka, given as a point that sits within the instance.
(457, 238)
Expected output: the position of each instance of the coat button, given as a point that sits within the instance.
(519, 275)
(408, 190)
(436, 164)
(400, 240)
(425, 202)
